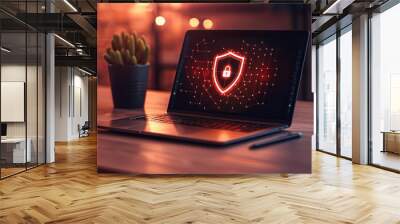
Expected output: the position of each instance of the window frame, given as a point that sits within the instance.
(27, 29)
(334, 36)
(378, 10)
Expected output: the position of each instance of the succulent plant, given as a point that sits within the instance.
(127, 49)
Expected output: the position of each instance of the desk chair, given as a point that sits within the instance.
(84, 130)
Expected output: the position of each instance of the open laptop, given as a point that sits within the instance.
(3, 131)
(230, 86)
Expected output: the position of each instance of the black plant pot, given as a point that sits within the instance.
(128, 85)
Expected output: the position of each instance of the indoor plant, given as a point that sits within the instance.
(128, 67)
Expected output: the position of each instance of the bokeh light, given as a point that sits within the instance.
(208, 24)
(194, 22)
(160, 21)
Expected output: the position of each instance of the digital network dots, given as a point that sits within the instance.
(260, 74)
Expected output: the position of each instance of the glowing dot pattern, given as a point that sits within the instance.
(260, 73)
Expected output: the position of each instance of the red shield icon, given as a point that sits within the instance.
(227, 71)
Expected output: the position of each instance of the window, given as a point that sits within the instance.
(334, 94)
(385, 89)
(346, 92)
(22, 78)
(326, 106)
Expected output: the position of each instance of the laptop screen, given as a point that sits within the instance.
(246, 74)
(3, 129)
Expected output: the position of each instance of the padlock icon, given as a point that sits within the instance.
(227, 72)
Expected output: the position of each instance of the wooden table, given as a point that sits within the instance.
(15, 152)
(391, 141)
(144, 155)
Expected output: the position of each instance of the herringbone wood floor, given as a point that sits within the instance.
(71, 191)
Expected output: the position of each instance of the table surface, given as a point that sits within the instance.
(13, 140)
(144, 155)
(390, 132)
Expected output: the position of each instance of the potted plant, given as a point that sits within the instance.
(128, 66)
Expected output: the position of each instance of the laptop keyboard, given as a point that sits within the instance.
(206, 122)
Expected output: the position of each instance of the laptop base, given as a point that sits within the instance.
(216, 137)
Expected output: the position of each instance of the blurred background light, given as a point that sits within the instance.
(194, 22)
(208, 24)
(160, 21)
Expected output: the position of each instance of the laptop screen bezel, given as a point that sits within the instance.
(286, 122)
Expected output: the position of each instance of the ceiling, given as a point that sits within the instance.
(75, 21)
(72, 20)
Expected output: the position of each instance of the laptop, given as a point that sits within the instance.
(230, 86)
(3, 131)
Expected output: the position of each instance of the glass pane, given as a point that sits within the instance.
(385, 84)
(346, 94)
(327, 96)
(31, 98)
(41, 98)
(32, 86)
(13, 86)
(23, 82)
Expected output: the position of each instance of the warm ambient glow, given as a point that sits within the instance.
(217, 58)
(194, 22)
(208, 23)
(175, 5)
(160, 21)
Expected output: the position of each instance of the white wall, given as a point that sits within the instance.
(12, 101)
(10, 73)
(62, 81)
(71, 94)
(17, 72)
(80, 111)
(33, 127)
